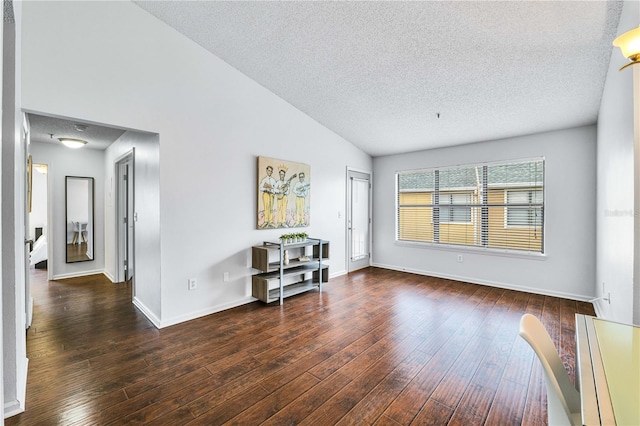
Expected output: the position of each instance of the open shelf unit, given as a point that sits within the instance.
(278, 280)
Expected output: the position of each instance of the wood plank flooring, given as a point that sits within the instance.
(377, 347)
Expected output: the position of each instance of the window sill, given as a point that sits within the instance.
(475, 250)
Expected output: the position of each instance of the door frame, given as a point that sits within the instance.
(348, 216)
(25, 134)
(129, 243)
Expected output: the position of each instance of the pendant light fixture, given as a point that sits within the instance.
(629, 44)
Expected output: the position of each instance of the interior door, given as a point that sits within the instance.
(28, 309)
(130, 220)
(359, 220)
(125, 218)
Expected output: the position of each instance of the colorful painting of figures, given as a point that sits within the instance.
(284, 189)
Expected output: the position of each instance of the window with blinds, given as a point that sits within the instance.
(493, 206)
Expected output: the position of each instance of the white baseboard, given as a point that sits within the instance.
(12, 408)
(563, 295)
(205, 312)
(219, 308)
(29, 312)
(147, 312)
(596, 307)
(17, 406)
(78, 274)
(108, 275)
(338, 274)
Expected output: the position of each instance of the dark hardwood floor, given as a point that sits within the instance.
(77, 252)
(376, 347)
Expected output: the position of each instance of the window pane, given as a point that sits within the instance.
(497, 206)
(518, 197)
(461, 214)
(528, 238)
(458, 178)
(455, 214)
(530, 173)
(417, 181)
(536, 196)
(522, 215)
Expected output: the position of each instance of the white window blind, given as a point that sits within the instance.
(524, 207)
(455, 207)
(493, 206)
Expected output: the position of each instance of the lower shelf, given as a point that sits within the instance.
(266, 287)
(293, 289)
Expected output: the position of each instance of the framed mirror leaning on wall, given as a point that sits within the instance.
(79, 218)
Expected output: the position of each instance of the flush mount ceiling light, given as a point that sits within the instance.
(629, 43)
(72, 143)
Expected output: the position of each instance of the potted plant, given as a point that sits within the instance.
(286, 238)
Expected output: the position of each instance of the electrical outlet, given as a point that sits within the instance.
(460, 259)
(225, 277)
(193, 284)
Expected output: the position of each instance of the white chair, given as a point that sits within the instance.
(79, 231)
(76, 232)
(82, 227)
(563, 400)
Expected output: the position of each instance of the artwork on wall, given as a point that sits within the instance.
(283, 194)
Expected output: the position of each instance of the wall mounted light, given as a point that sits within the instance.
(629, 43)
(72, 143)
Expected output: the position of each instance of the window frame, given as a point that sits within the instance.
(531, 177)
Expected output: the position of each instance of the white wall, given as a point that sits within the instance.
(63, 162)
(146, 178)
(38, 215)
(10, 217)
(212, 122)
(615, 204)
(2, 252)
(15, 360)
(567, 268)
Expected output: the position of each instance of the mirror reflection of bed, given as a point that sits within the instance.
(38, 256)
(38, 221)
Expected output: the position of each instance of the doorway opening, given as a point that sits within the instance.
(358, 219)
(39, 217)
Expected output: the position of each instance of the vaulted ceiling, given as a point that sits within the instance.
(403, 76)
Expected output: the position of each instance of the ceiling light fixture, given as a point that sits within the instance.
(629, 43)
(72, 143)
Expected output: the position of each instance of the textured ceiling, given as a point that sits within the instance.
(402, 76)
(97, 137)
(379, 73)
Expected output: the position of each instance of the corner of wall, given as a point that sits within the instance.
(147, 313)
(17, 406)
